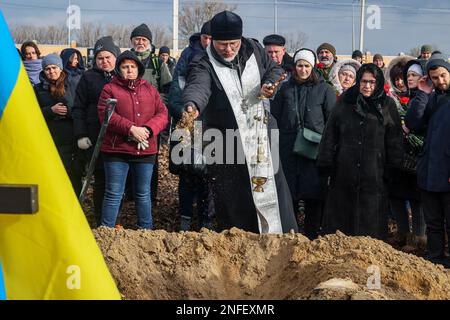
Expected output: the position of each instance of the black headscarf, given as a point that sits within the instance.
(376, 100)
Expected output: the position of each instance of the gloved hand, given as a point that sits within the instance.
(84, 143)
(142, 145)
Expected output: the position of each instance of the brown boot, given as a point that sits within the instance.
(420, 242)
(398, 240)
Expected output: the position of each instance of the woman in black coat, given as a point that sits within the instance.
(55, 94)
(305, 100)
(362, 140)
(403, 183)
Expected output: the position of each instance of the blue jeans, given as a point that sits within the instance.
(115, 176)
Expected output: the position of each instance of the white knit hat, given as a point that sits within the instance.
(416, 69)
(307, 55)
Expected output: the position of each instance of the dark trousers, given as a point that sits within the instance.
(436, 206)
(154, 182)
(400, 213)
(192, 188)
(68, 158)
(313, 217)
(98, 192)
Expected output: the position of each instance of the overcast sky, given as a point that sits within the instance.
(404, 23)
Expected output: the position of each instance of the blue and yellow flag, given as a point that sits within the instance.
(51, 254)
(2, 284)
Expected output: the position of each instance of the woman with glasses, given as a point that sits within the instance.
(361, 142)
(343, 75)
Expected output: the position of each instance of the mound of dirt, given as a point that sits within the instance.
(241, 265)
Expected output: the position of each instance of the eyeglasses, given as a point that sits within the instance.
(370, 82)
(233, 44)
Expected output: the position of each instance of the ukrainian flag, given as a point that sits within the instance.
(2, 284)
(52, 254)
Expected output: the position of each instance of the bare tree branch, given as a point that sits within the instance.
(193, 16)
(88, 34)
(296, 41)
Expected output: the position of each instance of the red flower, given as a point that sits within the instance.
(320, 65)
(386, 87)
(404, 100)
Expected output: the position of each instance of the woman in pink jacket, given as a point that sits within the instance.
(130, 140)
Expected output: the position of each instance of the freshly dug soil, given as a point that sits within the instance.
(240, 265)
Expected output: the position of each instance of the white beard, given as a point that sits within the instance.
(230, 58)
(327, 63)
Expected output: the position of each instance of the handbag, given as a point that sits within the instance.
(307, 141)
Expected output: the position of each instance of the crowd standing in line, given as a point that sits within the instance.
(357, 141)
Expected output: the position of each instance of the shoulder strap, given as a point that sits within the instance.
(156, 66)
(299, 117)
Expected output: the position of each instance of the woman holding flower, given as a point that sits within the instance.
(403, 190)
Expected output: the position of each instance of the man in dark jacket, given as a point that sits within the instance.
(164, 56)
(85, 115)
(156, 73)
(190, 185)
(197, 44)
(274, 46)
(430, 113)
(224, 84)
(326, 53)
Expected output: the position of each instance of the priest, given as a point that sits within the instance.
(227, 85)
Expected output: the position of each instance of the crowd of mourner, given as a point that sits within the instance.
(358, 143)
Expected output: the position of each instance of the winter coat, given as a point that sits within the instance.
(61, 127)
(175, 104)
(73, 72)
(403, 184)
(33, 69)
(334, 73)
(157, 74)
(430, 114)
(362, 141)
(138, 104)
(315, 102)
(231, 183)
(204, 90)
(85, 113)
